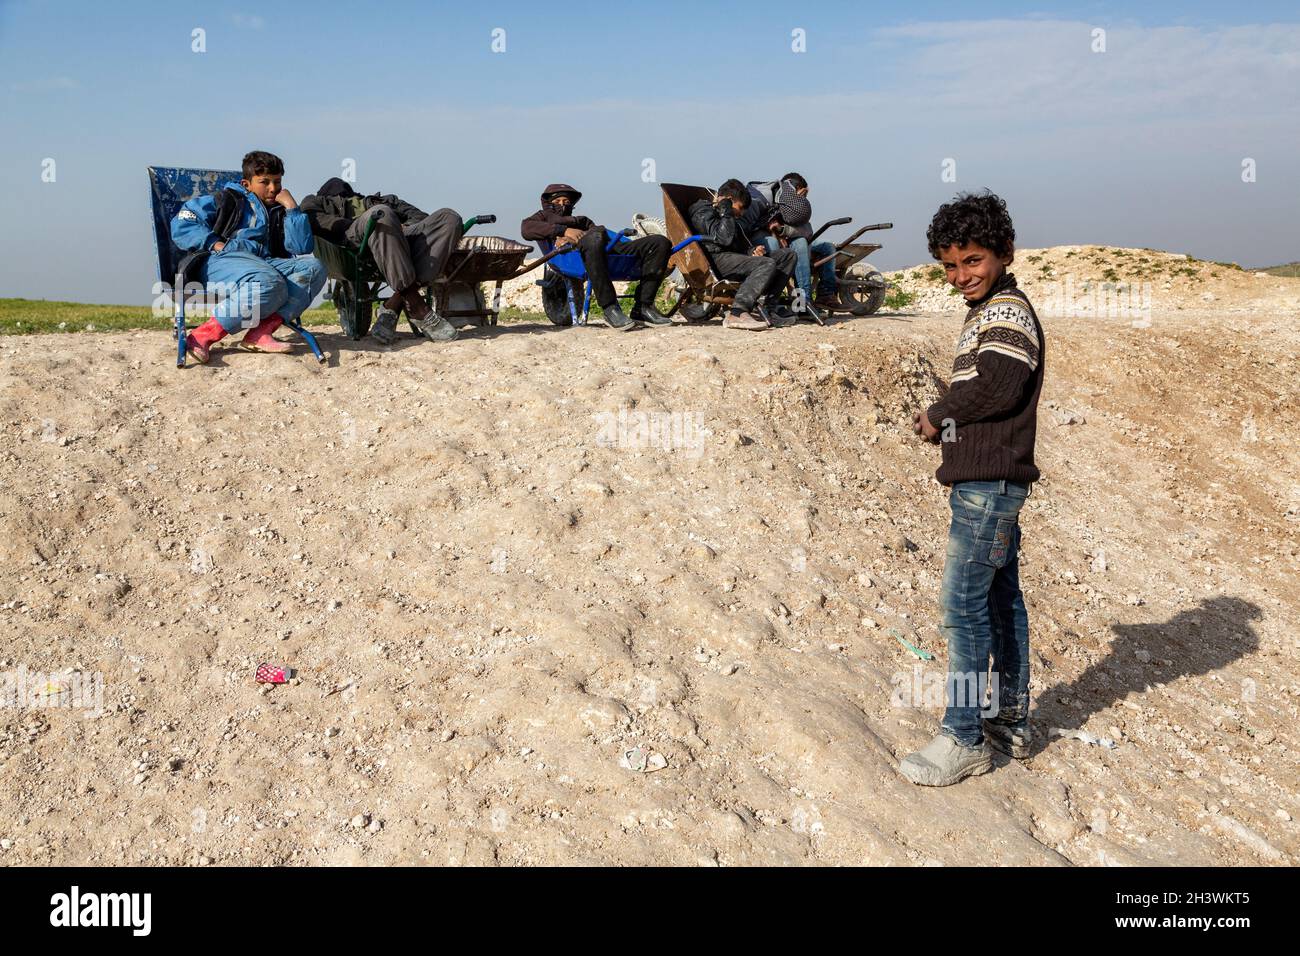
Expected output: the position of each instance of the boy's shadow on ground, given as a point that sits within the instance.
(1196, 641)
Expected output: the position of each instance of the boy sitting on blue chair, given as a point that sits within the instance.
(556, 223)
(780, 210)
(253, 234)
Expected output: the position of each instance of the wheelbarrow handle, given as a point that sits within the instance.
(879, 225)
(827, 225)
(619, 237)
(557, 251)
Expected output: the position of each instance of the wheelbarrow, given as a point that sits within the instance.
(457, 294)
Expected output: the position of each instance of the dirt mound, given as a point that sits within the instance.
(1112, 281)
(561, 595)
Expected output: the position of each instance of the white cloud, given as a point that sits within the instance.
(960, 75)
(1047, 69)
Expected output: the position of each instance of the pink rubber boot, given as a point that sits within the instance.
(260, 340)
(200, 341)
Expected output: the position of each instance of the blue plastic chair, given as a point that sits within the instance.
(622, 268)
(170, 187)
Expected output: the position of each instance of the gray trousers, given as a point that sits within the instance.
(762, 274)
(411, 253)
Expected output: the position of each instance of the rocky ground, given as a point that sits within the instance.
(571, 596)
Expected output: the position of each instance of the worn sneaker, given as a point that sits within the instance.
(943, 762)
(743, 320)
(435, 328)
(384, 329)
(1013, 740)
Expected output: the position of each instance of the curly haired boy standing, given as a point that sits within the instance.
(986, 425)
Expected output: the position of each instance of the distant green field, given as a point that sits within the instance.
(33, 316)
(1289, 271)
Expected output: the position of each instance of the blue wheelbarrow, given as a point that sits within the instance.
(566, 289)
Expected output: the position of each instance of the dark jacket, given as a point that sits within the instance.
(780, 201)
(721, 230)
(759, 212)
(336, 205)
(547, 224)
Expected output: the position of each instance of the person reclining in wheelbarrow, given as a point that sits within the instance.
(410, 247)
(782, 213)
(556, 222)
(738, 255)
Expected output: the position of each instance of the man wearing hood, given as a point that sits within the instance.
(410, 247)
(556, 223)
(782, 215)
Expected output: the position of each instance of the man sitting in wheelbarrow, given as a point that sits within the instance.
(556, 223)
(736, 254)
(410, 247)
(781, 213)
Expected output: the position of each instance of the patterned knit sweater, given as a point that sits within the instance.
(989, 417)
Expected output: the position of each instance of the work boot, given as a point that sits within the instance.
(740, 319)
(259, 339)
(200, 341)
(434, 327)
(828, 302)
(1014, 740)
(384, 329)
(615, 318)
(943, 762)
(650, 315)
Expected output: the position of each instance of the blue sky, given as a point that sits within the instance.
(1140, 145)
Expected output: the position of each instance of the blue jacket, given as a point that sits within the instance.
(192, 227)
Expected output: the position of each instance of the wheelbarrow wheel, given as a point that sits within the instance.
(555, 297)
(345, 302)
(864, 293)
(355, 324)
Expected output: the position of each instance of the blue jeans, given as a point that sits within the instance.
(255, 288)
(984, 613)
(804, 256)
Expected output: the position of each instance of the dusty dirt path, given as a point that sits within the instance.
(507, 586)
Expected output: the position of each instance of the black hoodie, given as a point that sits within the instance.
(548, 223)
(334, 207)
